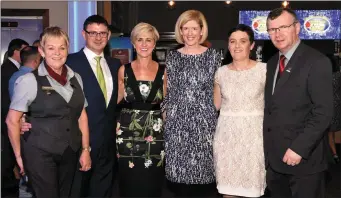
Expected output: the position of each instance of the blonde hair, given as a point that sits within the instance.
(53, 31)
(191, 15)
(142, 28)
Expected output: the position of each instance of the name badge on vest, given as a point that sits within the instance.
(47, 89)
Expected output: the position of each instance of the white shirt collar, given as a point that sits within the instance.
(14, 62)
(90, 54)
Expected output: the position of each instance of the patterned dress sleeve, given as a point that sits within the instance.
(336, 88)
(216, 77)
(218, 62)
(218, 59)
(163, 104)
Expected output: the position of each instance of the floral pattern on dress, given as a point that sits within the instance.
(139, 133)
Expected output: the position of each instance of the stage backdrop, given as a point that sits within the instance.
(315, 24)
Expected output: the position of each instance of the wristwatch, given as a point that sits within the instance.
(87, 149)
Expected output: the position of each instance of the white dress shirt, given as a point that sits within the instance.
(14, 62)
(90, 55)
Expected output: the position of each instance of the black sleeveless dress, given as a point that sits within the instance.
(139, 137)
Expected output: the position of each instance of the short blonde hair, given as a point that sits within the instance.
(53, 31)
(142, 28)
(191, 15)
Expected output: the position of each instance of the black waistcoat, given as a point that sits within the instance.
(54, 121)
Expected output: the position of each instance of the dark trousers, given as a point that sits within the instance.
(98, 181)
(193, 190)
(291, 186)
(51, 175)
(9, 184)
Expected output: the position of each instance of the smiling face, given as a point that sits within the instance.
(285, 38)
(144, 44)
(96, 37)
(240, 46)
(55, 51)
(191, 33)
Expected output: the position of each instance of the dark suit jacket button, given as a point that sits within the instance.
(269, 112)
(67, 129)
(269, 130)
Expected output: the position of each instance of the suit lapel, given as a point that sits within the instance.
(12, 66)
(270, 74)
(291, 67)
(271, 71)
(113, 77)
(90, 75)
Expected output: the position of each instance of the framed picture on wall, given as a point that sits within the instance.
(121, 48)
(122, 54)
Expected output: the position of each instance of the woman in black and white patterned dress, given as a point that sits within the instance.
(189, 109)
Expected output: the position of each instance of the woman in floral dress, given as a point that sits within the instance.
(139, 133)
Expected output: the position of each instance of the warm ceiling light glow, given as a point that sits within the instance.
(228, 2)
(285, 4)
(171, 3)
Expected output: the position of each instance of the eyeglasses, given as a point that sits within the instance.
(94, 34)
(280, 29)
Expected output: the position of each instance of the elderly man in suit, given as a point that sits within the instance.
(9, 185)
(298, 111)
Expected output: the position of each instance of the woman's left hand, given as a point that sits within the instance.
(85, 161)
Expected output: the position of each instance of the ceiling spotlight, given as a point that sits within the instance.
(228, 2)
(171, 3)
(285, 4)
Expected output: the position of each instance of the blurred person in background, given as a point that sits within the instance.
(336, 121)
(9, 174)
(30, 60)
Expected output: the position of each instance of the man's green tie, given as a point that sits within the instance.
(100, 77)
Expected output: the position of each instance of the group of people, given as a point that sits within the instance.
(239, 127)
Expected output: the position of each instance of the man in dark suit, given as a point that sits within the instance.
(9, 184)
(99, 75)
(298, 110)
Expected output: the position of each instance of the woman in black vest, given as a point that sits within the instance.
(53, 97)
(139, 134)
